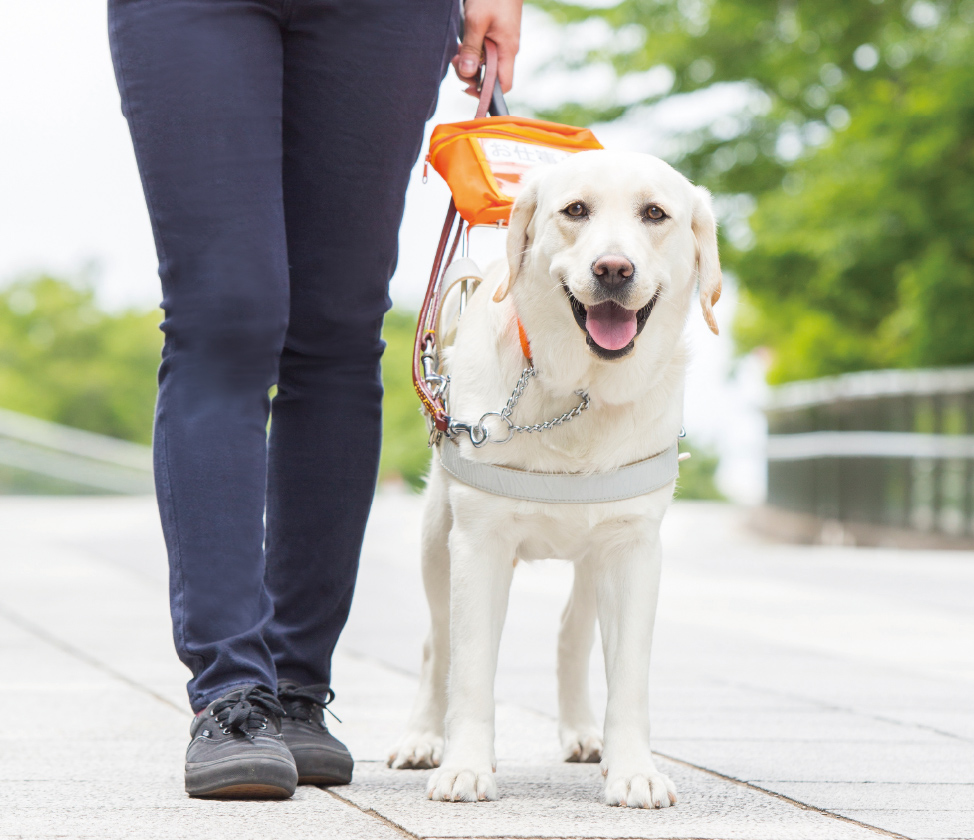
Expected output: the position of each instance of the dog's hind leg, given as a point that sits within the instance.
(421, 746)
(580, 735)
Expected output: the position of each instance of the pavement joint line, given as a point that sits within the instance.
(793, 741)
(371, 812)
(856, 782)
(847, 709)
(796, 802)
(65, 647)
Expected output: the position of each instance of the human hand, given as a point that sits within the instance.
(499, 20)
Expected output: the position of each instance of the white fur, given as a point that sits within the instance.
(471, 538)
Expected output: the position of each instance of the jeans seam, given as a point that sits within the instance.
(287, 12)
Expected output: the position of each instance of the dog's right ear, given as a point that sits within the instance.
(708, 263)
(517, 235)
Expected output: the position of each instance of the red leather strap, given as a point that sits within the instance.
(490, 77)
(426, 327)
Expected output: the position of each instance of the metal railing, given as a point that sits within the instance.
(889, 448)
(42, 457)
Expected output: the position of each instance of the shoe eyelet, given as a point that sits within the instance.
(264, 725)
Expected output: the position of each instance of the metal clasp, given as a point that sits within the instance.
(439, 383)
(479, 432)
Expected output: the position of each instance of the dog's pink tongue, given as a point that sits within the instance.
(611, 326)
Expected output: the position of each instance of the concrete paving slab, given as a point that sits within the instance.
(80, 812)
(954, 718)
(769, 761)
(724, 724)
(84, 625)
(843, 796)
(923, 825)
(563, 800)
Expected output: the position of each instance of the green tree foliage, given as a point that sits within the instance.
(62, 358)
(855, 141)
(404, 436)
(696, 481)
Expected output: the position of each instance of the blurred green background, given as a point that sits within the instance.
(844, 184)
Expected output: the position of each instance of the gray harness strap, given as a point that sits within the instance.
(563, 488)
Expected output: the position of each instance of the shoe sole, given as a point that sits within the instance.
(315, 770)
(245, 792)
(265, 778)
(325, 781)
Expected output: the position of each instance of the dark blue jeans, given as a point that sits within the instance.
(274, 139)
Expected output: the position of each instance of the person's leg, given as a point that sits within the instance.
(201, 86)
(360, 82)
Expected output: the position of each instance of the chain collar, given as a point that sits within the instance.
(479, 432)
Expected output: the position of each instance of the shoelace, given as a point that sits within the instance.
(301, 704)
(247, 711)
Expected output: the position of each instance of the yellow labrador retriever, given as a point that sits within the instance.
(605, 250)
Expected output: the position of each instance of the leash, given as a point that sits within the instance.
(429, 385)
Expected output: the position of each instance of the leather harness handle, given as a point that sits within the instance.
(496, 106)
(491, 101)
(490, 80)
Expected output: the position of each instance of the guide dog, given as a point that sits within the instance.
(605, 250)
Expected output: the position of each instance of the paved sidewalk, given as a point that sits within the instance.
(797, 692)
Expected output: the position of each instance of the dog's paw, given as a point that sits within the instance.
(416, 751)
(581, 746)
(645, 789)
(461, 784)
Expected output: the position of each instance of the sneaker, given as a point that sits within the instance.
(237, 750)
(321, 758)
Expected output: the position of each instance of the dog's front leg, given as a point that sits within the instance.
(627, 587)
(481, 567)
(422, 743)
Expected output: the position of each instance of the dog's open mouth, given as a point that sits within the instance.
(610, 329)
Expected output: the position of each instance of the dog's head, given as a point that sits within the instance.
(605, 249)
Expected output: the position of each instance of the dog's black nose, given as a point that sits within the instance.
(612, 270)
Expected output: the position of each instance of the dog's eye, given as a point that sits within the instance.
(654, 213)
(576, 210)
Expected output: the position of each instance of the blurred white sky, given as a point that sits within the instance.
(71, 201)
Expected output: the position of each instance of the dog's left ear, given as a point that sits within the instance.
(517, 236)
(708, 263)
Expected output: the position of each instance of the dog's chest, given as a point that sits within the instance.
(573, 532)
